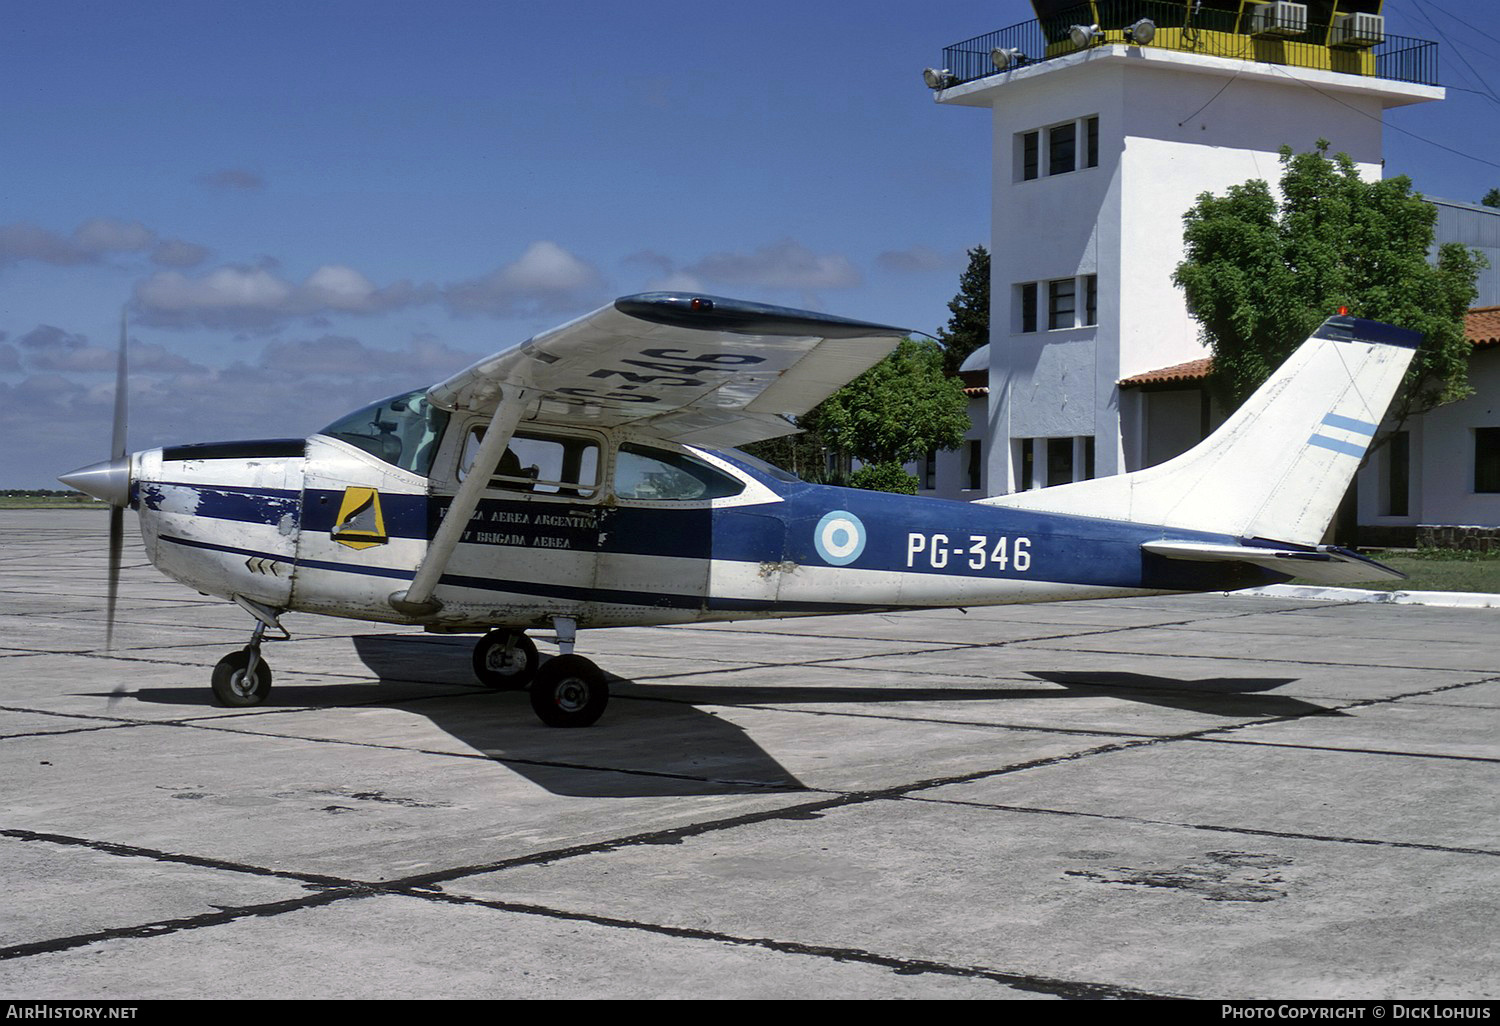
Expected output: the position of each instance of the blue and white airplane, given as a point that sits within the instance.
(588, 477)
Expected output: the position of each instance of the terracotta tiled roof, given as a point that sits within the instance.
(1481, 325)
(1182, 373)
(974, 390)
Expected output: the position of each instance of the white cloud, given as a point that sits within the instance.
(783, 265)
(177, 253)
(110, 235)
(48, 348)
(239, 297)
(59, 418)
(91, 242)
(26, 241)
(918, 260)
(546, 278)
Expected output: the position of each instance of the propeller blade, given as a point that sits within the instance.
(116, 546)
(117, 440)
(117, 510)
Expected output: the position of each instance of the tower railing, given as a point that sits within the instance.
(1191, 28)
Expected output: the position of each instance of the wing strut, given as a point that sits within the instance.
(418, 600)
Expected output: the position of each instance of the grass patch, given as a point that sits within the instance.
(1439, 570)
(50, 502)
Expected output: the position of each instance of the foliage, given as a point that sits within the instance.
(892, 414)
(884, 477)
(969, 327)
(896, 411)
(1491, 198)
(1260, 276)
(804, 454)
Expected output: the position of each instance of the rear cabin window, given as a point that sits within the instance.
(642, 472)
(540, 464)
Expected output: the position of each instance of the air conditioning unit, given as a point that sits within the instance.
(1279, 19)
(1357, 30)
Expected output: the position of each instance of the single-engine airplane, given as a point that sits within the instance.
(588, 477)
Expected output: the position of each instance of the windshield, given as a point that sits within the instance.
(403, 430)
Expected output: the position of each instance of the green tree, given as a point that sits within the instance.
(1491, 198)
(894, 413)
(969, 326)
(1260, 276)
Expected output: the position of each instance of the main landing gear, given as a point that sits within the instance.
(566, 691)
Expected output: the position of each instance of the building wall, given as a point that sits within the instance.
(1442, 450)
(952, 479)
(1477, 227)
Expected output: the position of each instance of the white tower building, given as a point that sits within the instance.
(1103, 138)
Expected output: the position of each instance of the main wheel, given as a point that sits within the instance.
(231, 687)
(569, 691)
(501, 670)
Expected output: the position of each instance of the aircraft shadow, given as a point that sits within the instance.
(1216, 696)
(691, 751)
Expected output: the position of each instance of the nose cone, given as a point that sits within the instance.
(108, 481)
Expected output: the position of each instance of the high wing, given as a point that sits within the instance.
(700, 370)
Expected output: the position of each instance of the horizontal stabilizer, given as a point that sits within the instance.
(1325, 564)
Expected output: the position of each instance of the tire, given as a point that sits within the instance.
(496, 672)
(230, 686)
(569, 691)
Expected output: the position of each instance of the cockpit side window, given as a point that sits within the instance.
(403, 431)
(541, 464)
(643, 472)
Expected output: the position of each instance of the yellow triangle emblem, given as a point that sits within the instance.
(361, 523)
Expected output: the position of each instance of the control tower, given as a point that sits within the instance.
(1110, 118)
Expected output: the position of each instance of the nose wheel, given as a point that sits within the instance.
(242, 679)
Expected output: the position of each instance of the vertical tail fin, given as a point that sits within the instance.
(1280, 465)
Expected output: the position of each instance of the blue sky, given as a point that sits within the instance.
(309, 205)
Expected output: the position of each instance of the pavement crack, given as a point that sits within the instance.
(1029, 983)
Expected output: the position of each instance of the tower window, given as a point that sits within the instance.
(1028, 306)
(1061, 303)
(1062, 144)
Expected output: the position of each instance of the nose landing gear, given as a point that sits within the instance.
(243, 678)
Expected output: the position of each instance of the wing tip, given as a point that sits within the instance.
(740, 316)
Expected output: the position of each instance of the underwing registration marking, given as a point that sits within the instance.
(977, 552)
(674, 368)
